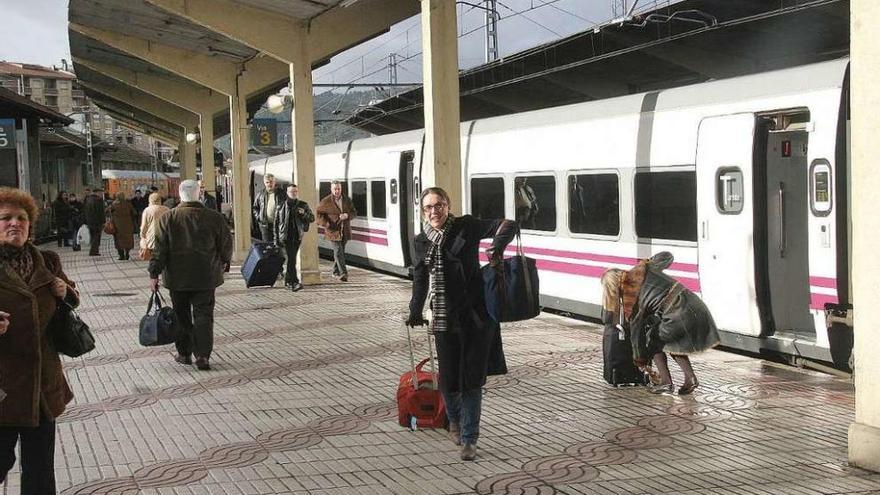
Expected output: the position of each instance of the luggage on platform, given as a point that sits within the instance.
(263, 265)
(619, 368)
(511, 289)
(419, 401)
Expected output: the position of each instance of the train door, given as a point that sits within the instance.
(787, 217)
(725, 155)
(405, 199)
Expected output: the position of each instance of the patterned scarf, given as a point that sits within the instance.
(434, 260)
(17, 260)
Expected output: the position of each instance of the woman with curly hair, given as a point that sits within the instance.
(32, 283)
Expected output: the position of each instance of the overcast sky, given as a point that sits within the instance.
(36, 31)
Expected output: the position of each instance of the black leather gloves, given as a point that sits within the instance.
(416, 321)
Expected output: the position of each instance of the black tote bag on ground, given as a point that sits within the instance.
(68, 333)
(159, 326)
(511, 289)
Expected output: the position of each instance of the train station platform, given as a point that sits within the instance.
(301, 400)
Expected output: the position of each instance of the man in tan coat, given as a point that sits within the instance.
(193, 249)
(335, 213)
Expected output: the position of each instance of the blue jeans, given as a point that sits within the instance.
(464, 408)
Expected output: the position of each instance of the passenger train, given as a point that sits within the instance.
(744, 180)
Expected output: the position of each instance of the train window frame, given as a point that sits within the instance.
(719, 190)
(366, 213)
(385, 202)
(820, 165)
(470, 190)
(633, 210)
(546, 173)
(620, 212)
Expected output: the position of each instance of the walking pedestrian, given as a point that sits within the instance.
(94, 214)
(335, 213)
(265, 204)
(292, 220)
(123, 215)
(192, 250)
(447, 271)
(664, 316)
(148, 225)
(31, 283)
(61, 216)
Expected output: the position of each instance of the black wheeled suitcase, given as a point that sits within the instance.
(263, 265)
(619, 369)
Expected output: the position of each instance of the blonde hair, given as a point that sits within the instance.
(155, 198)
(611, 289)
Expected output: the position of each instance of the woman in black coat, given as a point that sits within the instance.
(447, 269)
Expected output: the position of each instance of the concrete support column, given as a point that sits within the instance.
(206, 133)
(442, 116)
(303, 130)
(241, 204)
(864, 434)
(187, 154)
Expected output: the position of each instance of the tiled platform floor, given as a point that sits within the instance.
(301, 400)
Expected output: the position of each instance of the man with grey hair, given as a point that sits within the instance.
(335, 213)
(193, 249)
(266, 203)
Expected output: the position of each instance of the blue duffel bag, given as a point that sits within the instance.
(511, 288)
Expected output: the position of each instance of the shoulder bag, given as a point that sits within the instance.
(68, 333)
(159, 326)
(511, 288)
(109, 227)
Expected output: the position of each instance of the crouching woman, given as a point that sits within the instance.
(663, 316)
(447, 269)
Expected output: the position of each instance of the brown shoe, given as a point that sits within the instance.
(180, 358)
(455, 433)
(202, 364)
(469, 452)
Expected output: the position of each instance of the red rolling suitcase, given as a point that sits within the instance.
(419, 402)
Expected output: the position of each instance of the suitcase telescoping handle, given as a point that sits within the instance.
(412, 360)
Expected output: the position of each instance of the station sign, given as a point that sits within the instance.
(7, 134)
(265, 132)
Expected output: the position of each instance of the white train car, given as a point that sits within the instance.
(744, 180)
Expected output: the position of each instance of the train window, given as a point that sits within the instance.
(594, 204)
(820, 187)
(377, 198)
(534, 197)
(323, 189)
(359, 196)
(666, 205)
(487, 197)
(729, 190)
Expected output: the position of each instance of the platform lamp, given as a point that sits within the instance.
(276, 103)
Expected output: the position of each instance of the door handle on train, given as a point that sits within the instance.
(704, 227)
(782, 239)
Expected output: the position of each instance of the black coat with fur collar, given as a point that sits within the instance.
(471, 348)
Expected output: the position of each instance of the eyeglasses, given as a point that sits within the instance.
(436, 207)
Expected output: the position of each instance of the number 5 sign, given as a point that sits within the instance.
(7, 134)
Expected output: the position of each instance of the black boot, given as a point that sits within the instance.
(121, 254)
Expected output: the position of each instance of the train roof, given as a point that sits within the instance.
(807, 78)
(135, 174)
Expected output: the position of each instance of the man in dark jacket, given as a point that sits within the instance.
(267, 201)
(139, 203)
(192, 251)
(206, 198)
(292, 221)
(95, 216)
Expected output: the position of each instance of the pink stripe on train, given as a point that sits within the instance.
(603, 258)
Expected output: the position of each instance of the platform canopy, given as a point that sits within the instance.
(141, 43)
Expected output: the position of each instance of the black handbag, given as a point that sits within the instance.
(511, 289)
(68, 333)
(160, 325)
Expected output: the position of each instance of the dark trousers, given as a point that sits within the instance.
(195, 312)
(267, 232)
(339, 267)
(37, 456)
(95, 234)
(291, 249)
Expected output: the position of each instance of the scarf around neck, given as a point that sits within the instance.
(17, 260)
(434, 261)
